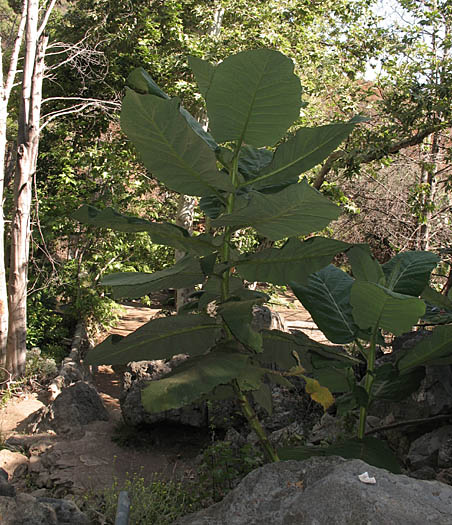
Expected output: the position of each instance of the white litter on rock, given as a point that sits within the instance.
(364, 477)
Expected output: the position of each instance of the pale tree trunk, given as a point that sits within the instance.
(27, 155)
(186, 204)
(6, 85)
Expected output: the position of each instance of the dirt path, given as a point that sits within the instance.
(95, 460)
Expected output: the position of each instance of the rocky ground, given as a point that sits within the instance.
(66, 447)
(79, 461)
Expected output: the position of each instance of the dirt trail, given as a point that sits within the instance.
(95, 460)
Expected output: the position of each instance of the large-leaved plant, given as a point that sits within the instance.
(243, 181)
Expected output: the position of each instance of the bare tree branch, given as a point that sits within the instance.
(365, 158)
(46, 17)
(15, 55)
(78, 108)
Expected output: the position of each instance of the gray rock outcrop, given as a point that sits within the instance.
(327, 491)
(77, 405)
(25, 509)
(433, 449)
(137, 374)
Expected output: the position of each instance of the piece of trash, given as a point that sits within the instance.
(364, 477)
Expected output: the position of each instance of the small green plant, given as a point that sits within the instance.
(223, 466)
(39, 370)
(242, 181)
(155, 502)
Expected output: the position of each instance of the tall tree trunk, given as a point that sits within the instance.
(6, 85)
(3, 289)
(27, 155)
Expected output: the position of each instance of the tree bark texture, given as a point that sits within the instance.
(6, 85)
(27, 154)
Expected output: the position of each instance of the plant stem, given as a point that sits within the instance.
(254, 423)
(247, 409)
(228, 230)
(368, 383)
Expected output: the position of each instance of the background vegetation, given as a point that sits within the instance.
(391, 176)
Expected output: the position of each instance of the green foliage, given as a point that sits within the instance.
(151, 502)
(357, 309)
(46, 328)
(223, 466)
(371, 450)
(39, 370)
(227, 357)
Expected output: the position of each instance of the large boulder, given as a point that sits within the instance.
(433, 449)
(75, 407)
(328, 491)
(434, 395)
(28, 510)
(137, 375)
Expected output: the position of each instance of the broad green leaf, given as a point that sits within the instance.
(436, 348)
(326, 296)
(208, 264)
(193, 379)
(203, 71)
(361, 395)
(279, 348)
(396, 386)
(212, 206)
(169, 148)
(253, 98)
(139, 80)
(185, 273)
(409, 272)
(298, 209)
(364, 265)
(198, 129)
(324, 355)
(436, 298)
(304, 150)
(318, 393)
(263, 397)
(371, 450)
(337, 380)
(212, 289)
(295, 261)
(376, 306)
(253, 160)
(158, 339)
(346, 404)
(238, 317)
(160, 232)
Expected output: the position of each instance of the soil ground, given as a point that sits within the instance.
(95, 461)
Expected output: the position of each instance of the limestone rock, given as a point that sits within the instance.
(135, 378)
(9, 461)
(76, 406)
(138, 374)
(67, 511)
(25, 509)
(6, 489)
(433, 449)
(432, 398)
(327, 491)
